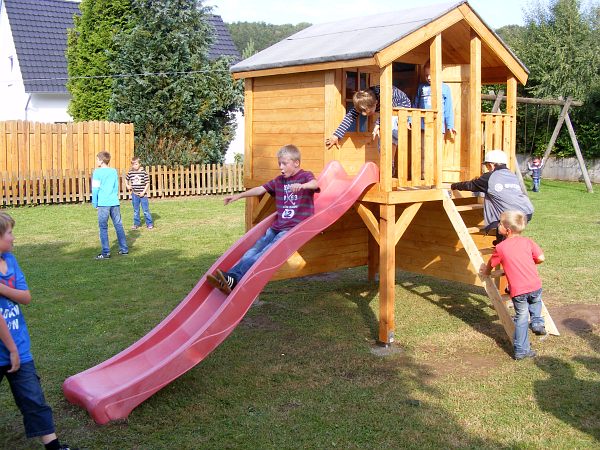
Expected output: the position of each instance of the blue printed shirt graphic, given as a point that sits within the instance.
(12, 314)
(105, 187)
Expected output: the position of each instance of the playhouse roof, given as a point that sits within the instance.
(39, 30)
(359, 38)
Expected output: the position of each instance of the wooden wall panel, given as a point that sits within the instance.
(430, 245)
(287, 109)
(343, 245)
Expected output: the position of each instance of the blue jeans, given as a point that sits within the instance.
(137, 201)
(536, 184)
(29, 397)
(529, 304)
(252, 255)
(115, 214)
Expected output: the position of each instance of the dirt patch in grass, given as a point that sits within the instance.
(259, 322)
(465, 365)
(574, 319)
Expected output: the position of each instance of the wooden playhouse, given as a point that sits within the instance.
(297, 91)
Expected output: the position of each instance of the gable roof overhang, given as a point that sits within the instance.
(384, 38)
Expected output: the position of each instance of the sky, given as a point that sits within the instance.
(495, 13)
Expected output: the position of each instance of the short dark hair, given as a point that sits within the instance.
(104, 156)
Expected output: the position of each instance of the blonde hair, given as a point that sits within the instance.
(290, 151)
(364, 100)
(6, 223)
(514, 221)
(104, 156)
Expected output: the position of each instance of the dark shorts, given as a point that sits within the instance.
(29, 397)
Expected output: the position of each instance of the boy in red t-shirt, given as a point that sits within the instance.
(293, 191)
(519, 256)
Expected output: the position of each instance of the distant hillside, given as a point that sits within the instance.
(252, 37)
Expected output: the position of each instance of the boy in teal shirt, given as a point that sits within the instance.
(105, 198)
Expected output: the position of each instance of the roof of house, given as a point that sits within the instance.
(39, 32)
(350, 39)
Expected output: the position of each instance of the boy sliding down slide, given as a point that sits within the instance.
(293, 190)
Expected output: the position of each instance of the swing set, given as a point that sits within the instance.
(562, 118)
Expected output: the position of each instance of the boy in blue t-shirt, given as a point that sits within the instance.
(16, 361)
(105, 198)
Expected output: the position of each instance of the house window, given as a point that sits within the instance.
(356, 81)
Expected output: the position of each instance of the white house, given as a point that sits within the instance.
(33, 66)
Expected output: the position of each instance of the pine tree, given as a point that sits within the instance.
(181, 103)
(90, 47)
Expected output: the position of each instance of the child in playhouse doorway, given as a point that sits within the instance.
(138, 184)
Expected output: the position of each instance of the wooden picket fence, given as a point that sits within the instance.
(74, 186)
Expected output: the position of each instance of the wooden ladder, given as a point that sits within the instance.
(498, 302)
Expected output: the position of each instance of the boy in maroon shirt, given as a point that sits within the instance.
(293, 191)
(519, 256)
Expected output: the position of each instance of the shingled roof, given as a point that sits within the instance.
(39, 32)
(350, 39)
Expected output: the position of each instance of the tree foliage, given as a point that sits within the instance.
(560, 44)
(181, 103)
(252, 37)
(90, 47)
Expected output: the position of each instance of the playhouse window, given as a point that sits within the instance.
(356, 81)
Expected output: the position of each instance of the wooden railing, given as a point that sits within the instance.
(70, 186)
(496, 131)
(417, 159)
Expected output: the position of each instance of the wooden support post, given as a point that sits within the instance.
(373, 260)
(435, 65)
(496, 107)
(248, 137)
(385, 130)
(511, 108)
(586, 176)
(475, 106)
(557, 128)
(387, 273)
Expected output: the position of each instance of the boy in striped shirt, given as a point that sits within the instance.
(293, 191)
(138, 183)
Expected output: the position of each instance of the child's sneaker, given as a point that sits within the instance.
(540, 330)
(121, 252)
(103, 256)
(135, 227)
(221, 281)
(529, 354)
(150, 227)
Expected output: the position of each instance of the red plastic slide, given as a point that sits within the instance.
(110, 390)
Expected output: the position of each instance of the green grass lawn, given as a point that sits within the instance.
(301, 370)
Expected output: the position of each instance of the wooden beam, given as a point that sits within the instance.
(369, 219)
(559, 124)
(586, 176)
(435, 63)
(387, 273)
(416, 38)
(333, 97)
(535, 101)
(405, 220)
(259, 209)
(385, 129)
(248, 128)
(475, 106)
(494, 43)
(306, 68)
(511, 109)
